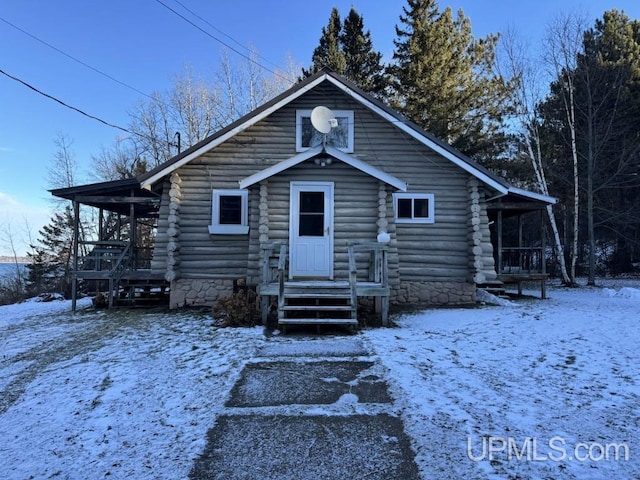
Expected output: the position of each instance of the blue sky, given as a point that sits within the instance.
(141, 43)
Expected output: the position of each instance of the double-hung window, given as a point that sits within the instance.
(230, 212)
(414, 207)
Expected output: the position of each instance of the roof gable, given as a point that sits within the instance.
(392, 116)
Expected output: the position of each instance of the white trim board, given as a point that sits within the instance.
(333, 152)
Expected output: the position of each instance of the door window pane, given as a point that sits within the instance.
(311, 217)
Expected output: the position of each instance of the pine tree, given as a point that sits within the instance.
(348, 50)
(443, 79)
(50, 267)
(363, 64)
(329, 52)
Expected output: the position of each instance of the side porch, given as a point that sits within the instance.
(308, 301)
(519, 235)
(112, 259)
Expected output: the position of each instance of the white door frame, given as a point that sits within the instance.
(324, 244)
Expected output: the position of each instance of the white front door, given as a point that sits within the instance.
(311, 230)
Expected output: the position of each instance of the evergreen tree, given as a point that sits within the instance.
(50, 267)
(363, 64)
(348, 50)
(443, 79)
(329, 52)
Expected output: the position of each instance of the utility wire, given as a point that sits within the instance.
(75, 109)
(223, 33)
(77, 60)
(220, 41)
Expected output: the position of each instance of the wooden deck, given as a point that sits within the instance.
(519, 278)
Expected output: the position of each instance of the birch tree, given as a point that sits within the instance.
(526, 94)
(562, 45)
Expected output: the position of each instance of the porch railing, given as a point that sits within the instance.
(367, 275)
(524, 260)
(374, 257)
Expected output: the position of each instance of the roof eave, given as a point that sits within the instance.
(539, 197)
(232, 130)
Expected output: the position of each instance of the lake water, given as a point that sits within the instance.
(10, 268)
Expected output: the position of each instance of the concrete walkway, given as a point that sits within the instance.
(308, 408)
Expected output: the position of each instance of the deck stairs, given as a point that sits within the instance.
(317, 303)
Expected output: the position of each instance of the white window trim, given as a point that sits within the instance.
(216, 227)
(338, 113)
(429, 196)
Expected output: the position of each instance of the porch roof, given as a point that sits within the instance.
(115, 196)
(517, 202)
(326, 151)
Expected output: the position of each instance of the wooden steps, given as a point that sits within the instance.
(317, 303)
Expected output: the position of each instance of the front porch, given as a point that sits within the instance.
(307, 301)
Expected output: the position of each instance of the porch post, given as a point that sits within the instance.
(499, 220)
(520, 246)
(543, 285)
(74, 274)
(133, 227)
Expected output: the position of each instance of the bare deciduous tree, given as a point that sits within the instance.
(525, 96)
(193, 109)
(563, 43)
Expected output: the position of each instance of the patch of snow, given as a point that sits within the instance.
(129, 394)
(628, 292)
(482, 296)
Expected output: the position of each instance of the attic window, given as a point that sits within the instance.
(230, 212)
(414, 207)
(340, 136)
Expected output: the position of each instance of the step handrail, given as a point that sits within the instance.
(115, 275)
(378, 264)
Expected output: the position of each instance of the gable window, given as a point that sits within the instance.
(414, 207)
(230, 212)
(340, 136)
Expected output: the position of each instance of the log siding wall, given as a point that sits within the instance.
(434, 256)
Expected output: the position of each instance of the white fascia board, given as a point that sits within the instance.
(231, 133)
(279, 167)
(367, 168)
(331, 151)
(533, 195)
(421, 138)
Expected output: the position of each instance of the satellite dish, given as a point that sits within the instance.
(322, 119)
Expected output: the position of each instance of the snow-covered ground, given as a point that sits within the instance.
(529, 389)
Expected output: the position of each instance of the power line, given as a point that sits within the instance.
(223, 33)
(76, 59)
(51, 97)
(220, 41)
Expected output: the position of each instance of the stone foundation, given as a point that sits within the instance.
(434, 293)
(198, 293)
